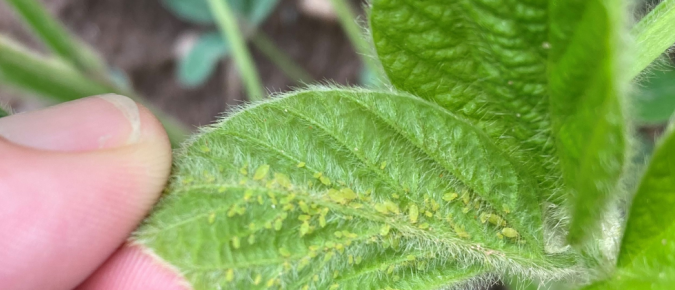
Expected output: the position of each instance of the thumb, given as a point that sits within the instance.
(75, 180)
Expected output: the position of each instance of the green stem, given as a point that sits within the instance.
(58, 81)
(347, 17)
(654, 34)
(3, 112)
(280, 58)
(227, 22)
(57, 38)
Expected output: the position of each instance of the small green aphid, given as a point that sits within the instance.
(261, 172)
(257, 280)
(325, 180)
(283, 180)
(304, 228)
(510, 233)
(383, 165)
(450, 196)
(334, 286)
(423, 226)
(229, 275)
(235, 242)
(304, 217)
(328, 256)
(212, 217)
(284, 252)
(411, 257)
(270, 282)
(303, 206)
(248, 194)
(461, 232)
(301, 165)
(318, 174)
(384, 230)
(413, 213)
(251, 239)
(205, 149)
(277, 224)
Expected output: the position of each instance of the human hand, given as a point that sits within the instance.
(75, 180)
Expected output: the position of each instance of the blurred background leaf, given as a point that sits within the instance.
(200, 62)
(655, 99)
(197, 11)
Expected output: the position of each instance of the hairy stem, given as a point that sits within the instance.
(57, 38)
(280, 58)
(347, 17)
(227, 22)
(654, 35)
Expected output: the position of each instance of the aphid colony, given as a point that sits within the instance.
(313, 214)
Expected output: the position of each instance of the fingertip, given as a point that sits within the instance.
(134, 267)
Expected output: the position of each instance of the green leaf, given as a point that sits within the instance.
(654, 34)
(586, 86)
(655, 100)
(650, 231)
(485, 60)
(198, 11)
(350, 188)
(3, 112)
(196, 67)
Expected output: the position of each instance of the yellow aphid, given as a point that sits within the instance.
(390, 269)
(338, 234)
(383, 165)
(336, 197)
(205, 149)
(236, 243)
(506, 209)
(222, 189)
(423, 226)
(288, 207)
(500, 236)
(248, 194)
(212, 217)
(392, 207)
(384, 230)
(251, 239)
(304, 228)
(260, 199)
(381, 208)
(350, 259)
(257, 280)
(496, 220)
(328, 256)
(229, 275)
(315, 278)
(318, 174)
(270, 282)
(251, 227)
(428, 214)
(284, 252)
(358, 260)
(410, 257)
(261, 172)
(334, 287)
(283, 180)
(303, 262)
(413, 213)
(303, 206)
(356, 205)
(277, 225)
(325, 180)
(510, 233)
(466, 209)
(466, 198)
(243, 181)
(434, 205)
(322, 221)
(461, 232)
(303, 217)
(348, 194)
(243, 170)
(340, 248)
(301, 165)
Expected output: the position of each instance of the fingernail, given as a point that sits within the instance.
(99, 122)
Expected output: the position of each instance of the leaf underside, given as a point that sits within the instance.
(348, 188)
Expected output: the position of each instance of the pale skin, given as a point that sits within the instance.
(75, 180)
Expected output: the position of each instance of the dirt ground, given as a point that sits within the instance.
(141, 37)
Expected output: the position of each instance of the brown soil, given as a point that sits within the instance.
(140, 37)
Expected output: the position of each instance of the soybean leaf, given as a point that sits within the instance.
(650, 228)
(655, 100)
(586, 90)
(198, 11)
(485, 60)
(338, 188)
(647, 256)
(200, 62)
